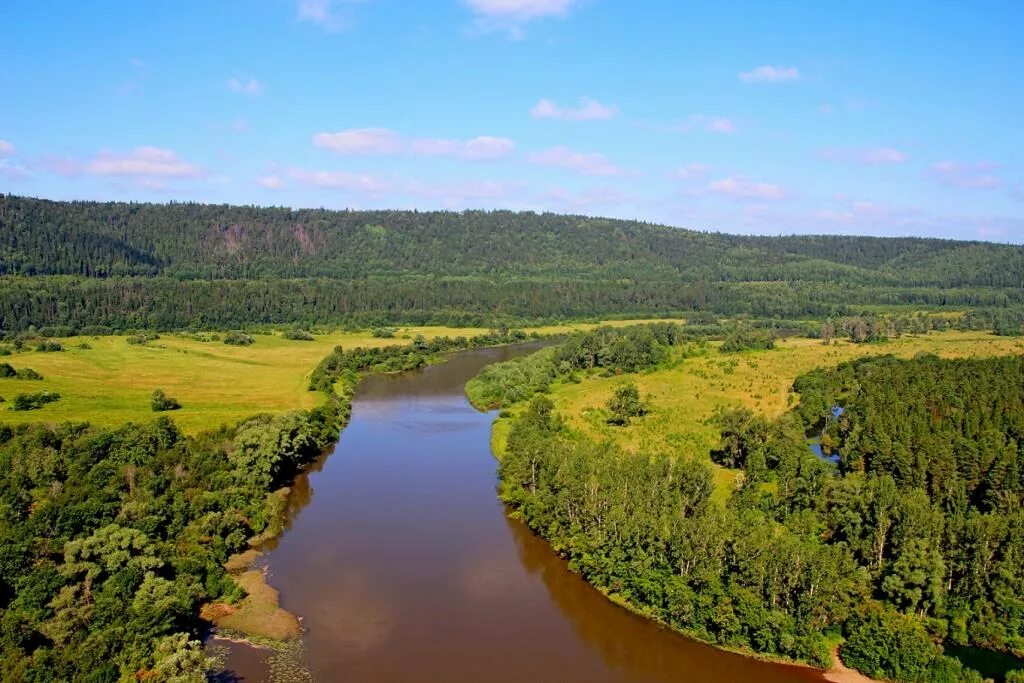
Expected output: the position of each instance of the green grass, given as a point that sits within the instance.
(111, 382)
(686, 395)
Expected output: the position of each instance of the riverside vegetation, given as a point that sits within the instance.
(112, 538)
(915, 537)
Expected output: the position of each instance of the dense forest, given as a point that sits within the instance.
(913, 542)
(179, 265)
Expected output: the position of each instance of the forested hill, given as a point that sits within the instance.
(197, 241)
(169, 266)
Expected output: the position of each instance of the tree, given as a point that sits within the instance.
(625, 404)
(161, 402)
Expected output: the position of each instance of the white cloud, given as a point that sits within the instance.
(271, 182)
(245, 86)
(360, 141)
(483, 148)
(871, 156)
(13, 170)
(240, 126)
(458, 193)
(152, 162)
(588, 110)
(691, 171)
(520, 10)
(585, 163)
(738, 187)
(694, 122)
(720, 125)
(327, 14)
(975, 175)
(357, 183)
(385, 141)
(770, 74)
(6, 149)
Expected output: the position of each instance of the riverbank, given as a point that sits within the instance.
(571, 473)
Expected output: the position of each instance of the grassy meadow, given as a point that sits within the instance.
(110, 382)
(685, 396)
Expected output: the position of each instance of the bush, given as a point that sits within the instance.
(298, 335)
(57, 331)
(384, 332)
(161, 402)
(143, 338)
(49, 346)
(33, 401)
(744, 339)
(7, 370)
(238, 339)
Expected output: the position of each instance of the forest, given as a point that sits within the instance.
(909, 547)
(169, 266)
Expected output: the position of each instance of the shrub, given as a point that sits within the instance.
(33, 401)
(143, 338)
(160, 402)
(238, 339)
(49, 346)
(384, 332)
(7, 370)
(298, 335)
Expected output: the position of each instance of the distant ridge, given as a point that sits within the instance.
(411, 264)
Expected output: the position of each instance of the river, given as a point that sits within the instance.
(401, 562)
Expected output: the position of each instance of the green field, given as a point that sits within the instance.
(686, 395)
(110, 383)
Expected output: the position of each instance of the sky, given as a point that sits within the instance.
(868, 118)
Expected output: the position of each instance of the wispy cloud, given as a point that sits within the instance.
(141, 162)
(356, 183)
(509, 16)
(770, 74)
(695, 122)
(458, 194)
(739, 187)
(386, 141)
(691, 171)
(871, 156)
(520, 10)
(245, 86)
(588, 110)
(147, 167)
(483, 148)
(720, 125)
(975, 175)
(7, 149)
(590, 163)
(270, 182)
(330, 15)
(360, 141)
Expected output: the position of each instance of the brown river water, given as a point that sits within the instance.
(402, 563)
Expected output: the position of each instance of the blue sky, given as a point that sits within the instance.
(874, 118)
